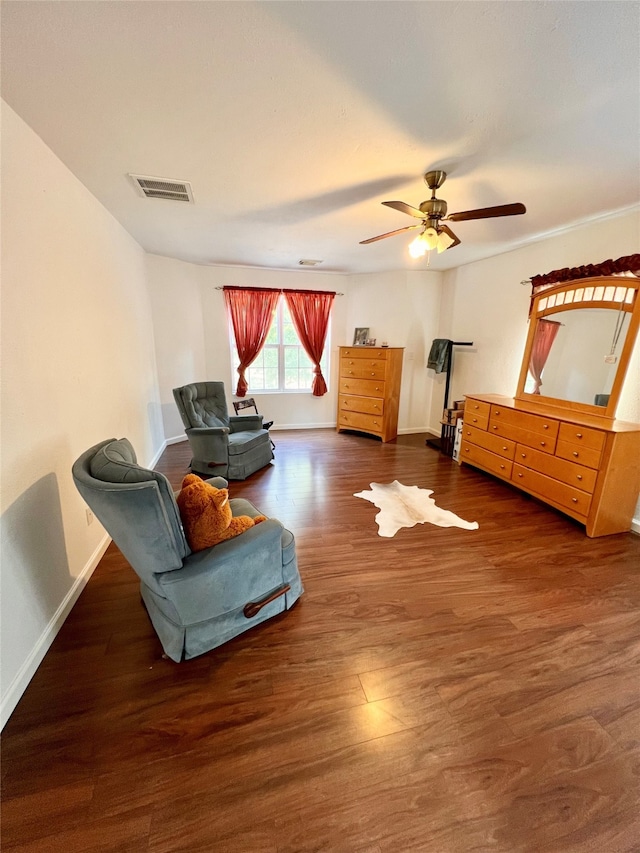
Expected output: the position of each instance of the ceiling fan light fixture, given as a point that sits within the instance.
(418, 247)
(430, 237)
(444, 241)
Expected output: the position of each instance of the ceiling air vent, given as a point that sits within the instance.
(163, 188)
(308, 262)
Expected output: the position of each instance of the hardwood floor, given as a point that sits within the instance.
(443, 691)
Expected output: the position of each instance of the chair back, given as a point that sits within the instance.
(202, 404)
(136, 507)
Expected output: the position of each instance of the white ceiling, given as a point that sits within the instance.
(294, 120)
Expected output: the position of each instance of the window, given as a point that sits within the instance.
(282, 364)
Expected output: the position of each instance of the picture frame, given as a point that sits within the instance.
(360, 336)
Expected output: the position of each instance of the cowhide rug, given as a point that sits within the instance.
(406, 506)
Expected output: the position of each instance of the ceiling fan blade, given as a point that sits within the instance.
(488, 212)
(389, 234)
(449, 232)
(405, 208)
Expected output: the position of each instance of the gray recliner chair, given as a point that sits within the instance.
(196, 601)
(232, 447)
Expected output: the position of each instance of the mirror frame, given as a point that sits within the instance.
(596, 292)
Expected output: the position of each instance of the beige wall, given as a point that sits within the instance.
(78, 365)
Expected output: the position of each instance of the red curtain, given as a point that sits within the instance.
(310, 312)
(251, 311)
(542, 343)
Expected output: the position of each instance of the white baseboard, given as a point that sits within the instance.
(177, 439)
(302, 426)
(28, 669)
(635, 525)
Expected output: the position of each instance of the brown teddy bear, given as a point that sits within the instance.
(206, 514)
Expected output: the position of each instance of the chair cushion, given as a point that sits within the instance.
(116, 463)
(241, 442)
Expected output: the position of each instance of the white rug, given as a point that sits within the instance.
(406, 506)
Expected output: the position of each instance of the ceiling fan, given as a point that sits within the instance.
(434, 234)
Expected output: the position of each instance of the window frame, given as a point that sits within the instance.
(280, 346)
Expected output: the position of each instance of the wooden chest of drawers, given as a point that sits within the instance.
(369, 390)
(584, 466)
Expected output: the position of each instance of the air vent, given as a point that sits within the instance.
(163, 188)
(308, 262)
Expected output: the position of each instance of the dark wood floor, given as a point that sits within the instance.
(444, 691)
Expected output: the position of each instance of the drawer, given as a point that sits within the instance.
(546, 443)
(476, 407)
(500, 446)
(577, 453)
(359, 420)
(479, 420)
(581, 436)
(368, 405)
(365, 352)
(552, 490)
(485, 459)
(363, 368)
(524, 421)
(567, 472)
(361, 387)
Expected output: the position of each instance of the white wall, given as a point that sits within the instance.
(78, 366)
(193, 344)
(485, 302)
(178, 322)
(403, 309)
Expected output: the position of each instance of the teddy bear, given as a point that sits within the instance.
(206, 514)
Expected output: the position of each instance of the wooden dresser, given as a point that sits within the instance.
(586, 467)
(369, 390)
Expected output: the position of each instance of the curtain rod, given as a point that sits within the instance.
(282, 290)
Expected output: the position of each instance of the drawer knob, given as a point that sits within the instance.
(497, 411)
(542, 443)
(351, 371)
(475, 420)
(466, 449)
(576, 454)
(545, 426)
(504, 447)
(375, 422)
(578, 435)
(579, 476)
(502, 466)
(476, 406)
(496, 426)
(372, 373)
(575, 500)
(377, 389)
(524, 455)
(519, 474)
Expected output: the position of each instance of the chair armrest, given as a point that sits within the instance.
(209, 443)
(230, 574)
(240, 423)
(217, 482)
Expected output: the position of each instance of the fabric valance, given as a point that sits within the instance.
(629, 263)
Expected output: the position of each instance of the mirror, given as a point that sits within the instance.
(580, 339)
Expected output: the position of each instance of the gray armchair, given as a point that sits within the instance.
(196, 601)
(232, 447)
